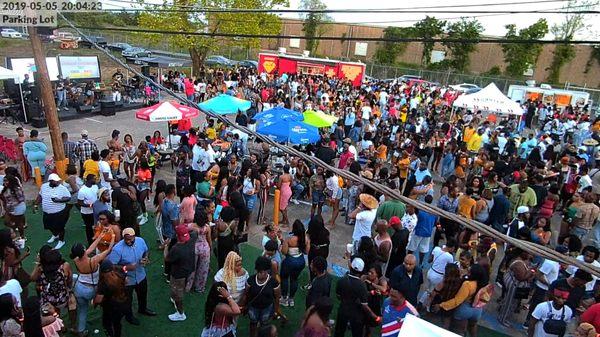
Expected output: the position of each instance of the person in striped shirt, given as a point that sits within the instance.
(395, 308)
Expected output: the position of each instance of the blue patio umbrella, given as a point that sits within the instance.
(279, 113)
(225, 104)
(291, 131)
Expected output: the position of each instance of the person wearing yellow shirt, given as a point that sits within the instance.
(92, 166)
(468, 133)
(403, 165)
(211, 132)
(474, 144)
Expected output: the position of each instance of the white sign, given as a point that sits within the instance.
(360, 48)
(414, 326)
(294, 43)
(437, 56)
(79, 67)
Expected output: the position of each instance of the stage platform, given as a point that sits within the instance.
(72, 113)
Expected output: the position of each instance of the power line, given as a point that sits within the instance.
(340, 38)
(358, 11)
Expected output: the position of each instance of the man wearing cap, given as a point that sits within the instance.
(399, 242)
(365, 215)
(102, 204)
(353, 295)
(181, 257)
(131, 255)
(518, 222)
(86, 196)
(54, 197)
(556, 311)
(85, 147)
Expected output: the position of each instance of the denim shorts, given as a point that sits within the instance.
(19, 209)
(318, 198)
(250, 201)
(466, 312)
(260, 315)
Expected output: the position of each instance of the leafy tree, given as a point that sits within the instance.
(388, 52)
(313, 23)
(464, 29)
(199, 46)
(493, 71)
(573, 23)
(520, 56)
(594, 55)
(428, 28)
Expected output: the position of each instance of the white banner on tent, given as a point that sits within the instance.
(414, 326)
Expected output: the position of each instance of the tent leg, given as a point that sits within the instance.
(23, 103)
(169, 133)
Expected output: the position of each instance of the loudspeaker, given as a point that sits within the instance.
(38, 122)
(34, 110)
(108, 108)
(83, 109)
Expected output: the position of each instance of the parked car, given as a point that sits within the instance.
(119, 46)
(99, 40)
(59, 36)
(218, 60)
(11, 33)
(465, 87)
(248, 64)
(136, 52)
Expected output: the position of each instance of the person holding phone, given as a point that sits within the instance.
(220, 311)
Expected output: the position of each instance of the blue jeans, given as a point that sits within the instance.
(465, 312)
(581, 233)
(291, 268)
(596, 234)
(262, 316)
(297, 190)
(84, 294)
(61, 97)
(250, 201)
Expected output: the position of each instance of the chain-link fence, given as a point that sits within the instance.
(441, 77)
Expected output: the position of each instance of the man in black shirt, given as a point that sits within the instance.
(124, 196)
(353, 295)
(408, 276)
(181, 257)
(320, 286)
(576, 287)
(241, 119)
(325, 153)
(399, 243)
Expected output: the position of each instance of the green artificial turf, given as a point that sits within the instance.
(158, 289)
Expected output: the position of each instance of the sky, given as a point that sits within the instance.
(493, 23)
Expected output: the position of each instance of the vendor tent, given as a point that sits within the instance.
(225, 104)
(489, 99)
(7, 74)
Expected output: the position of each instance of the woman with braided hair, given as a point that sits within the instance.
(234, 275)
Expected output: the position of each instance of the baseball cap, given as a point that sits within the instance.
(522, 209)
(358, 264)
(183, 234)
(84, 132)
(54, 177)
(394, 221)
(128, 231)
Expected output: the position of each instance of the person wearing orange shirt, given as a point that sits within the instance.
(466, 204)
(403, 164)
(468, 133)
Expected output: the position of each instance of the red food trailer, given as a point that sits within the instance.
(272, 63)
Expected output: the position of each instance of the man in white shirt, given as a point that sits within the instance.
(555, 311)
(12, 287)
(87, 195)
(366, 113)
(204, 157)
(584, 180)
(105, 172)
(54, 197)
(590, 255)
(544, 276)
(365, 215)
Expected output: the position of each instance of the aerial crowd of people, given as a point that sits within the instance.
(531, 177)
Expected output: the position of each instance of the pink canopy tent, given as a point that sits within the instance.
(167, 112)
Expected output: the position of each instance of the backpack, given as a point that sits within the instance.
(555, 326)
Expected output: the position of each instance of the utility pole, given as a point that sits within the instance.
(48, 102)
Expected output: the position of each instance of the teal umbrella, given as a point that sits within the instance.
(224, 105)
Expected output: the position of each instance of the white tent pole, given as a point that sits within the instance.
(22, 102)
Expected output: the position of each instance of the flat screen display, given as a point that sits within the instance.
(27, 65)
(79, 67)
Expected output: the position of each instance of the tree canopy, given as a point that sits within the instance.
(313, 23)
(460, 51)
(428, 28)
(520, 57)
(388, 52)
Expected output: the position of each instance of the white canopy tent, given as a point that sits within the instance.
(489, 99)
(7, 74)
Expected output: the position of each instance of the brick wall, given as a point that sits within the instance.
(483, 59)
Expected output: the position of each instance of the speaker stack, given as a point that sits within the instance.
(108, 108)
(84, 109)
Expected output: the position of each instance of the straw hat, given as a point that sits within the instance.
(368, 200)
(590, 142)
(366, 174)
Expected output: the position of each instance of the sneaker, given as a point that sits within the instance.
(66, 109)
(283, 301)
(295, 201)
(291, 302)
(177, 317)
(59, 245)
(52, 239)
(143, 220)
